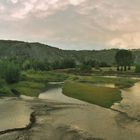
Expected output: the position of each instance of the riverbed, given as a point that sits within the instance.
(14, 113)
(62, 118)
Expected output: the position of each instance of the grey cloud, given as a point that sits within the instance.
(72, 24)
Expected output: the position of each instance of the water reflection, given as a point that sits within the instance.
(56, 94)
(100, 122)
(131, 101)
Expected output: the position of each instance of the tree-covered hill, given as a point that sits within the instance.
(25, 50)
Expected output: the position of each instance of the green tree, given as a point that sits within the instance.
(10, 72)
(85, 68)
(124, 59)
(137, 69)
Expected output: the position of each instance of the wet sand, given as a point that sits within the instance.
(14, 113)
(62, 118)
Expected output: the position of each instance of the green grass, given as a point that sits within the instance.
(113, 68)
(50, 76)
(37, 81)
(120, 82)
(34, 82)
(5, 89)
(28, 88)
(102, 96)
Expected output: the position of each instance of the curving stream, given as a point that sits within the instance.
(62, 118)
(98, 122)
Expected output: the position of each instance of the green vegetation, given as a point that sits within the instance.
(137, 69)
(27, 68)
(124, 59)
(9, 71)
(50, 76)
(120, 82)
(36, 81)
(5, 89)
(103, 96)
(31, 83)
(85, 68)
(28, 88)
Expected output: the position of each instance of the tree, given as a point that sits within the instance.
(10, 72)
(124, 59)
(68, 63)
(64, 64)
(137, 69)
(85, 68)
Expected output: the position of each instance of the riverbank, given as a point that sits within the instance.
(35, 82)
(99, 95)
(69, 120)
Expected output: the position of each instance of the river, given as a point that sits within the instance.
(63, 118)
(14, 113)
(121, 123)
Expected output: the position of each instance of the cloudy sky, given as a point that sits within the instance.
(72, 24)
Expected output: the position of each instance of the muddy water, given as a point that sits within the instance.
(13, 113)
(131, 101)
(63, 118)
(57, 96)
(94, 121)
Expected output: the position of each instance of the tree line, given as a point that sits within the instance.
(10, 69)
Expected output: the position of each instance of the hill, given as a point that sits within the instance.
(26, 50)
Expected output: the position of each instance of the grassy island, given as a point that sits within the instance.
(103, 96)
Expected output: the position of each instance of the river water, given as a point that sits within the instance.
(14, 113)
(71, 116)
(119, 123)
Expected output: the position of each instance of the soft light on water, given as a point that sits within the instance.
(13, 114)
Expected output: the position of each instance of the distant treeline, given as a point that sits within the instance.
(59, 64)
(10, 69)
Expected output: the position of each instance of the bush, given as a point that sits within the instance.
(10, 72)
(85, 68)
(36, 65)
(137, 69)
(64, 64)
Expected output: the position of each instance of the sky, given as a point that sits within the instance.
(72, 24)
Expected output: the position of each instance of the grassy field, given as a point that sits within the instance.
(28, 88)
(46, 76)
(113, 68)
(32, 83)
(120, 82)
(103, 96)
(36, 82)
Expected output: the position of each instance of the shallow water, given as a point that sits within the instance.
(69, 119)
(105, 85)
(131, 101)
(56, 95)
(13, 113)
(98, 122)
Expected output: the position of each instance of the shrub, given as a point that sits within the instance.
(137, 69)
(10, 72)
(85, 68)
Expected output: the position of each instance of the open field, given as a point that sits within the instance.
(103, 96)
